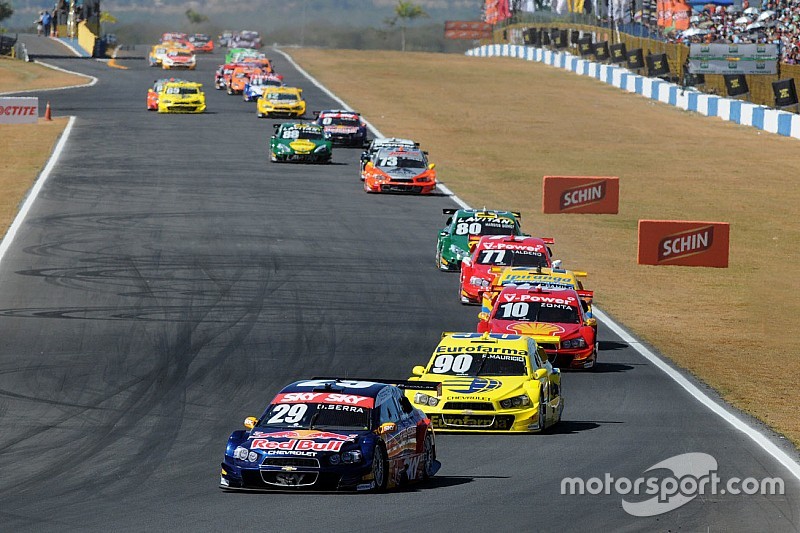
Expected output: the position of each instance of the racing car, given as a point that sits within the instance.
(179, 59)
(548, 278)
(300, 141)
(181, 97)
(283, 102)
(330, 434)
(153, 92)
(254, 88)
(490, 383)
(399, 170)
(452, 245)
(246, 39)
(491, 251)
(235, 54)
(555, 318)
(346, 128)
(202, 43)
(384, 142)
(157, 54)
(240, 76)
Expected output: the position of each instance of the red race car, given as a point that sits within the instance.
(555, 318)
(493, 252)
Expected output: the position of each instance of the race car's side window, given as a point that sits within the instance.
(389, 411)
(535, 359)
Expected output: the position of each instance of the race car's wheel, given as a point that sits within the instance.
(461, 298)
(542, 410)
(229, 90)
(428, 456)
(380, 468)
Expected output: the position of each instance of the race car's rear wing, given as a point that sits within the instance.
(586, 295)
(399, 383)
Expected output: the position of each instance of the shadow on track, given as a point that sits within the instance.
(570, 427)
(611, 345)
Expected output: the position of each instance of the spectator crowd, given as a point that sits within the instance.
(774, 22)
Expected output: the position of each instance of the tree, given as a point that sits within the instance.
(195, 17)
(5, 11)
(405, 12)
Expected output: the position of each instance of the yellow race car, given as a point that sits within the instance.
(549, 278)
(491, 383)
(181, 97)
(157, 55)
(281, 101)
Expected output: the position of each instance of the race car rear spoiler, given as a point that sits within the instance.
(399, 383)
(586, 295)
(448, 211)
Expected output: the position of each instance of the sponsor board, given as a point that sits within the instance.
(580, 194)
(467, 29)
(19, 110)
(684, 243)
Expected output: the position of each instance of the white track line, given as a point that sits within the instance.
(34, 193)
(759, 438)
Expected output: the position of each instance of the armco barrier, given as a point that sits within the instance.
(745, 113)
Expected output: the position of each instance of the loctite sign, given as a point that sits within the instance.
(580, 194)
(685, 243)
(14, 110)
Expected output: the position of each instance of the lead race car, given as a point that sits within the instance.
(331, 434)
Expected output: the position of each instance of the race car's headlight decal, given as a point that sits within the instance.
(240, 453)
(424, 399)
(573, 343)
(459, 253)
(353, 456)
(252, 457)
(282, 148)
(479, 282)
(424, 179)
(335, 459)
(320, 149)
(517, 401)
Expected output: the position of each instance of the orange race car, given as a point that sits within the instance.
(202, 43)
(399, 169)
(240, 76)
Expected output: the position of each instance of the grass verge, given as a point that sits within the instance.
(495, 126)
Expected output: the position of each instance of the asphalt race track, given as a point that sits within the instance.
(169, 280)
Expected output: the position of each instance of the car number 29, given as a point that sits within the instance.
(446, 362)
(289, 413)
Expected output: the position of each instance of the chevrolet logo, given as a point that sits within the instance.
(288, 468)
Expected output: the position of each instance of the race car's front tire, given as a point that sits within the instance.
(428, 456)
(229, 90)
(380, 469)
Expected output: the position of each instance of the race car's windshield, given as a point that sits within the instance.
(512, 258)
(296, 133)
(479, 364)
(181, 90)
(467, 226)
(538, 312)
(400, 161)
(316, 416)
(282, 97)
(180, 54)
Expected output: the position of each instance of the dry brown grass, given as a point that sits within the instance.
(25, 148)
(496, 126)
(17, 75)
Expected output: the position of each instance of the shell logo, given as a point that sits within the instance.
(536, 328)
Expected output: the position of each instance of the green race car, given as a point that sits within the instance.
(300, 141)
(465, 225)
(236, 54)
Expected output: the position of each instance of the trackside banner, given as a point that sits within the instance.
(580, 194)
(16, 110)
(685, 243)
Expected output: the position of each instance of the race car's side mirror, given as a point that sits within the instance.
(557, 263)
(443, 233)
(250, 422)
(431, 166)
(483, 316)
(483, 326)
(388, 427)
(540, 373)
(370, 165)
(592, 322)
(418, 370)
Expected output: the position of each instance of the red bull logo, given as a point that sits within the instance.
(296, 444)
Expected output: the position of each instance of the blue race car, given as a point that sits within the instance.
(255, 87)
(346, 128)
(329, 434)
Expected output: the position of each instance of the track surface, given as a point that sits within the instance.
(162, 290)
